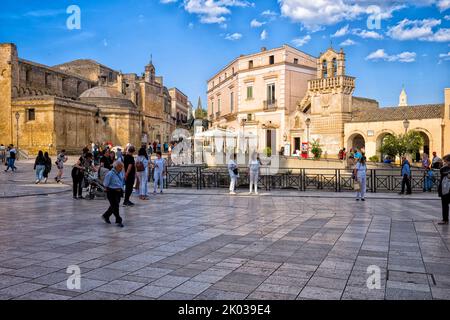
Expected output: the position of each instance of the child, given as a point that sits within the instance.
(429, 179)
(159, 172)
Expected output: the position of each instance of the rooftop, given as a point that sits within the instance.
(426, 111)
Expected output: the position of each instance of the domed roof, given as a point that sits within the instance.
(103, 92)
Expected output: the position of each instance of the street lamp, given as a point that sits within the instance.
(406, 125)
(17, 129)
(308, 123)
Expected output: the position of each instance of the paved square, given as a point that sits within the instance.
(189, 244)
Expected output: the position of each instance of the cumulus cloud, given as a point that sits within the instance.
(348, 42)
(233, 36)
(313, 13)
(256, 24)
(341, 32)
(419, 30)
(299, 42)
(212, 11)
(381, 54)
(264, 35)
(366, 34)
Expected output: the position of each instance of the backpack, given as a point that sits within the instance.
(446, 185)
(140, 166)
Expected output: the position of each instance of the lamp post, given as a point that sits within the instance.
(406, 125)
(17, 115)
(308, 123)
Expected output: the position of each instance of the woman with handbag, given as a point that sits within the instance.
(233, 172)
(359, 174)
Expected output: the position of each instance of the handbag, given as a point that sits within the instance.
(236, 171)
(140, 166)
(357, 186)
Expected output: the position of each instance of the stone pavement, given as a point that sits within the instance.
(21, 182)
(189, 244)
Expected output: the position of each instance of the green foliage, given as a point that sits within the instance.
(399, 145)
(267, 151)
(316, 150)
(374, 159)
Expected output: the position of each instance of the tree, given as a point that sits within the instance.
(316, 150)
(399, 145)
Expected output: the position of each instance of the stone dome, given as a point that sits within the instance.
(106, 97)
(102, 92)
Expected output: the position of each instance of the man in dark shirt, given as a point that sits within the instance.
(105, 160)
(130, 174)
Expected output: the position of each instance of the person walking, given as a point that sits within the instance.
(444, 189)
(160, 169)
(85, 162)
(39, 166)
(12, 154)
(233, 171)
(48, 166)
(254, 168)
(130, 175)
(406, 174)
(142, 164)
(60, 160)
(360, 173)
(113, 183)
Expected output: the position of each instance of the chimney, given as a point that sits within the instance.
(263, 49)
(120, 82)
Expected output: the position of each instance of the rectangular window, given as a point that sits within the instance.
(31, 115)
(295, 61)
(250, 64)
(232, 102)
(249, 92)
(271, 59)
(271, 93)
(47, 80)
(212, 107)
(218, 105)
(249, 117)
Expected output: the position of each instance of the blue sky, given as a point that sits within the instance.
(190, 40)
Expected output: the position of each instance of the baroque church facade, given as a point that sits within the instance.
(288, 99)
(67, 106)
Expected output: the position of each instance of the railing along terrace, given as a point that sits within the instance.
(301, 179)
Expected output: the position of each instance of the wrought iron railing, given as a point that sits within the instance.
(335, 180)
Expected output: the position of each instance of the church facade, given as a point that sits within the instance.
(289, 99)
(67, 106)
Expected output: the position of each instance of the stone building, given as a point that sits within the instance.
(288, 98)
(180, 107)
(71, 104)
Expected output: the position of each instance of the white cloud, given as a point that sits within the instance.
(256, 24)
(447, 17)
(269, 13)
(341, 32)
(213, 11)
(168, 1)
(316, 13)
(444, 56)
(264, 35)
(443, 5)
(419, 30)
(348, 42)
(380, 54)
(233, 36)
(299, 42)
(366, 34)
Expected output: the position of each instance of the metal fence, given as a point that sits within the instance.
(336, 180)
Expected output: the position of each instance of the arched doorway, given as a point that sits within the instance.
(356, 141)
(380, 141)
(426, 146)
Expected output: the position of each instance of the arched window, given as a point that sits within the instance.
(324, 69)
(334, 67)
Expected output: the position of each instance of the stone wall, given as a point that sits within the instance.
(8, 62)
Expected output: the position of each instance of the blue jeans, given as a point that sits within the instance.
(362, 192)
(158, 177)
(10, 164)
(40, 172)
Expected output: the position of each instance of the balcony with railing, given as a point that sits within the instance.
(270, 105)
(331, 83)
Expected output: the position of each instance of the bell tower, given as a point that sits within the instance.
(331, 100)
(150, 71)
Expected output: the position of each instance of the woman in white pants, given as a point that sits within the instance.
(158, 176)
(233, 172)
(142, 163)
(360, 175)
(253, 168)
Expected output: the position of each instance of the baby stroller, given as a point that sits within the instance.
(94, 183)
